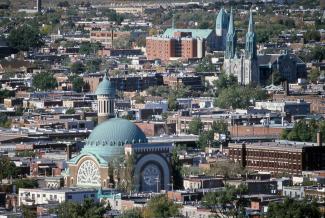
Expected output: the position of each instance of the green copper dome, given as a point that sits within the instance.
(108, 138)
(105, 87)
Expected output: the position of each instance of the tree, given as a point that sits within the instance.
(239, 96)
(226, 168)
(5, 122)
(228, 202)
(129, 172)
(205, 139)
(93, 65)
(25, 37)
(88, 209)
(77, 68)
(70, 111)
(224, 81)
(112, 15)
(8, 169)
(89, 48)
(63, 4)
(195, 126)
(77, 83)
(293, 208)
(25, 183)
(160, 207)
(122, 42)
(314, 75)
(313, 35)
(205, 66)
(172, 103)
(176, 170)
(44, 81)
(132, 213)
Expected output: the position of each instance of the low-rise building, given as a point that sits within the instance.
(40, 196)
(297, 192)
(198, 182)
(280, 157)
(299, 107)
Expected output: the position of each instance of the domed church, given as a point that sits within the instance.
(117, 153)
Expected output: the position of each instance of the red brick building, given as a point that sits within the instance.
(279, 157)
(181, 46)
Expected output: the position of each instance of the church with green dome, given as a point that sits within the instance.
(117, 153)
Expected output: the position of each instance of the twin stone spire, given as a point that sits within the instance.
(231, 39)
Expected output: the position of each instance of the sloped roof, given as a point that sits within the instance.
(196, 33)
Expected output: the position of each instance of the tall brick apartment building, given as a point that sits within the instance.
(281, 157)
(181, 46)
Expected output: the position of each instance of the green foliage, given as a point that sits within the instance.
(5, 93)
(25, 154)
(112, 15)
(89, 48)
(5, 122)
(239, 96)
(180, 91)
(139, 99)
(176, 166)
(8, 169)
(77, 67)
(70, 111)
(28, 212)
(44, 81)
(206, 138)
(226, 168)
(228, 202)
(172, 103)
(25, 37)
(93, 65)
(293, 208)
(312, 35)
(132, 213)
(88, 209)
(77, 83)
(205, 65)
(195, 126)
(129, 173)
(224, 81)
(160, 207)
(64, 4)
(316, 53)
(313, 75)
(275, 79)
(25, 183)
(305, 131)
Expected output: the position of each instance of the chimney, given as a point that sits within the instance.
(243, 155)
(286, 87)
(112, 38)
(319, 139)
(68, 152)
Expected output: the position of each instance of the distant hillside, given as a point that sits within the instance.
(19, 4)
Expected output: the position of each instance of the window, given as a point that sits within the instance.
(38, 195)
(69, 196)
(55, 197)
(44, 195)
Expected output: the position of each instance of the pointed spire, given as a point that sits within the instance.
(231, 28)
(251, 22)
(231, 38)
